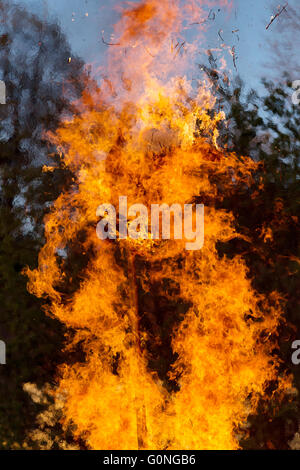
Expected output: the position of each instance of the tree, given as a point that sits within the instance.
(40, 82)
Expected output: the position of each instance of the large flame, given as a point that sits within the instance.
(149, 135)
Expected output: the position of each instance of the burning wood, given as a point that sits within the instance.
(158, 141)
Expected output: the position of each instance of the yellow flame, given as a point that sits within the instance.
(148, 135)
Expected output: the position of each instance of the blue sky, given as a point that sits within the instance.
(250, 17)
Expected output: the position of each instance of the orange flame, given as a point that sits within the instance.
(149, 135)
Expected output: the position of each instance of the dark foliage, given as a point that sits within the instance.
(40, 83)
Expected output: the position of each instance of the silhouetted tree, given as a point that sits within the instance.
(41, 83)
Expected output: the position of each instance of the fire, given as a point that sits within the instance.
(149, 135)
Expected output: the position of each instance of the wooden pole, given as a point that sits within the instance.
(141, 422)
